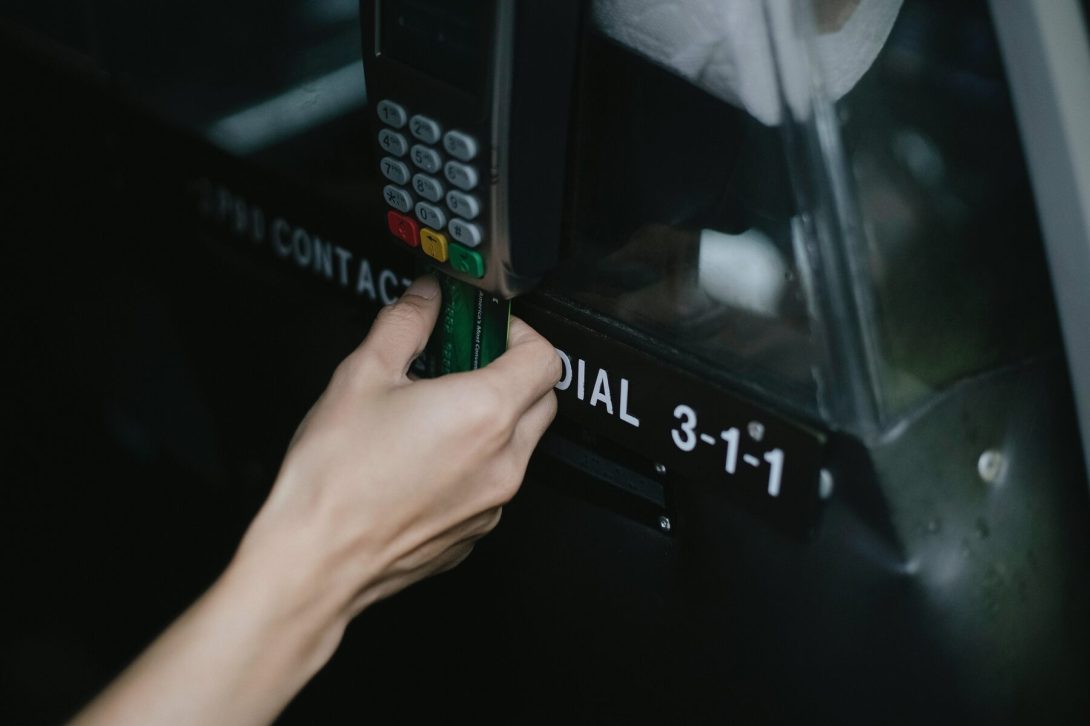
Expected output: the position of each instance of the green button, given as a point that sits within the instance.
(467, 261)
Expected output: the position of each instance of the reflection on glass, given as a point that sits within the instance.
(691, 226)
(276, 82)
(291, 113)
(953, 248)
(734, 300)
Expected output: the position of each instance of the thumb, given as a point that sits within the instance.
(401, 330)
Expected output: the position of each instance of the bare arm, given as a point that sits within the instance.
(387, 481)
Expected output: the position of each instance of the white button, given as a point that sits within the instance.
(392, 114)
(465, 232)
(431, 216)
(427, 159)
(398, 198)
(393, 142)
(394, 170)
(425, 129)
(428, 187)
(464, 205)
(460, 175)
(459, 145)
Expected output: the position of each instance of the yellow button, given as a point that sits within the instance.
(434, 244)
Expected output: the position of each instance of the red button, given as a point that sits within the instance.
(404, 228)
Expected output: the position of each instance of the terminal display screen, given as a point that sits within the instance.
(448, 40)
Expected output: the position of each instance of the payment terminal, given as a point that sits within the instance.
(471, 107)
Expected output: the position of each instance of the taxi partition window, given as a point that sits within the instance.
(846, 231)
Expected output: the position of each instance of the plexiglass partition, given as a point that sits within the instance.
(824, 202)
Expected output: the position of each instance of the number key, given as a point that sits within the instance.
(427, 159)
(460, 145)
(428, 187)
(464, 205)
(425, 129)
(393, 142)
(394, 170)
(460, 175)
(392, 114)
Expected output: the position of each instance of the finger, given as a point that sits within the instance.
(513, 461)
(527, 370)
(401, 330)
(533, 424)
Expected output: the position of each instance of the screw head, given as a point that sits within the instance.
(664, 524)
(756, 430)
(660, 468)
(990, 465)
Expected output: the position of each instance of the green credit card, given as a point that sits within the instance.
(471, 331)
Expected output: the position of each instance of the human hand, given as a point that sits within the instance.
(389, 480)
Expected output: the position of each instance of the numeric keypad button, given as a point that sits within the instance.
(462, 176)
(427, 159)
(425, 129)
(405, 229)
(395, 171)
(434, 244)
(428, 187)
(398, 198)
(465, 232)
(431, 215)
(392, 114)
(393, 142)
(460, 145)
(466, 261)
(464, 205)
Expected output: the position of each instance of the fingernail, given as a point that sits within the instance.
(426, 287)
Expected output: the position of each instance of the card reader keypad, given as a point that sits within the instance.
(422, 195)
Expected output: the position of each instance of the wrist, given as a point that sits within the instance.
(281, 587)
(237, 656)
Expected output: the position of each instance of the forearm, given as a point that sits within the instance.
(236, 656)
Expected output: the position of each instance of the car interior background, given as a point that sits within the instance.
(818, 453)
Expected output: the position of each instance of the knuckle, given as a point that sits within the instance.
(400, 314)
(352, 369)
(412, 311)
(554, 368)
(519, 330)
(545, 360)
